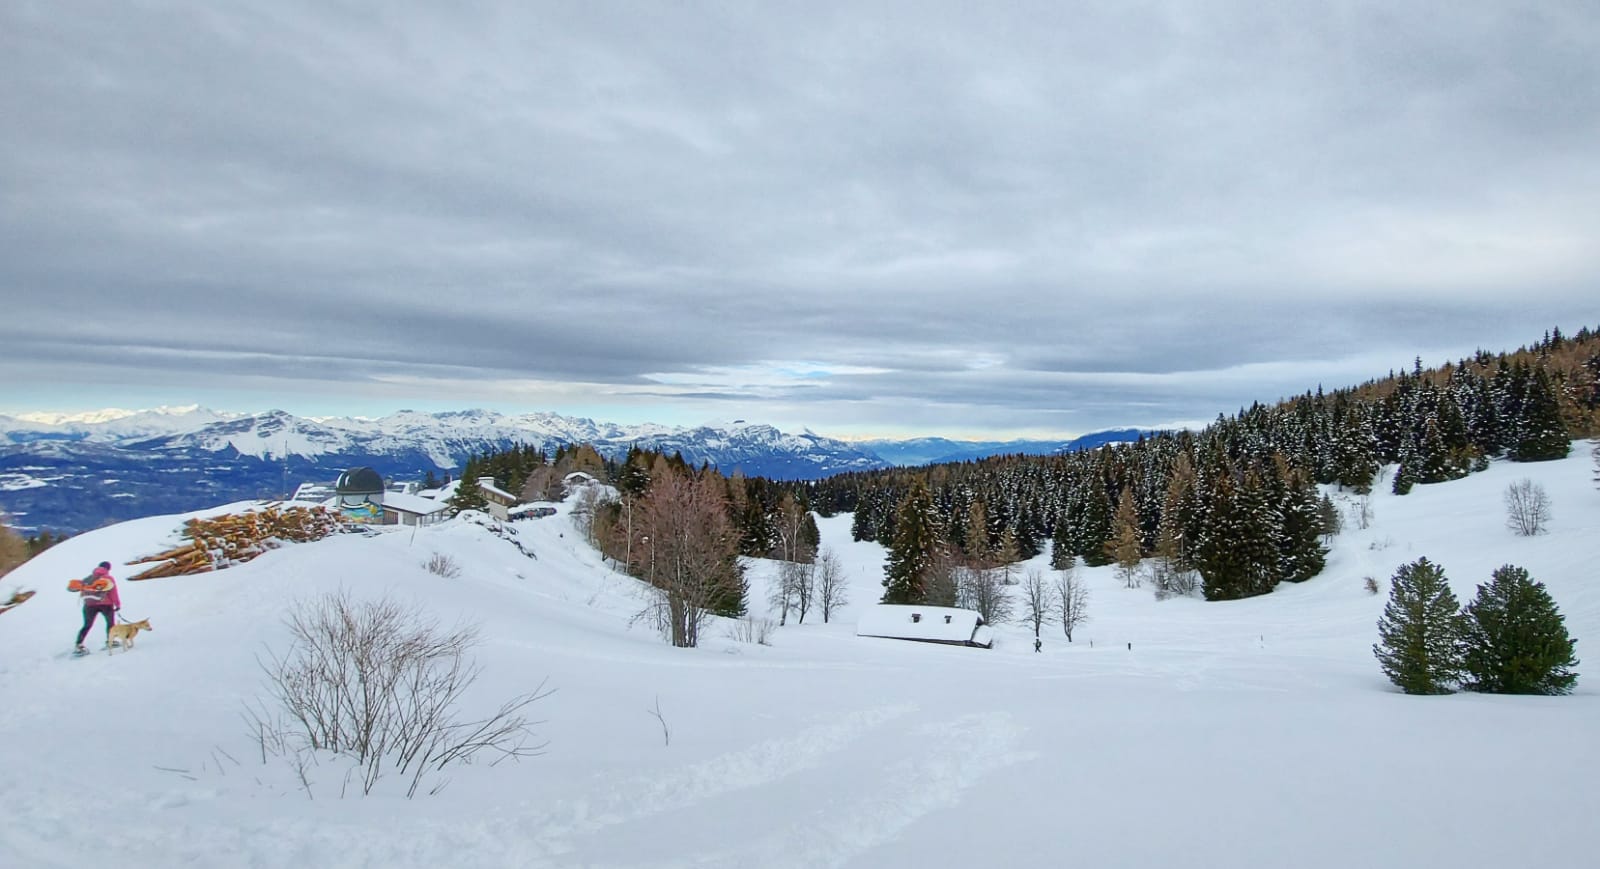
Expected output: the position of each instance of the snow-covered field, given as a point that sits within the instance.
(1253, 733)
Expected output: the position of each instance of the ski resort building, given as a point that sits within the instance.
(926, 624)
(500, 501)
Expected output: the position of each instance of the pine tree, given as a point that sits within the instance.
(1420, 635)
(1301, 552)
(1238, 552)
(915, 545)
(1062, 553)
(1516, 640)
(1542, 436)
(1407, 472)
(1094, 528)
(468, 495)
(1355, 452)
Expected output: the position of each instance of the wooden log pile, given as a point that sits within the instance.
(223, 541)
(18, 598)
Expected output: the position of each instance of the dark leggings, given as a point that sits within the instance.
(89, 612)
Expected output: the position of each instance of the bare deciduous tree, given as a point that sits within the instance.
(1361, 511)
(687, 554)
(590, 500)
(1527, 508)
(1038, 598)
(830, 590)
(1072, 600)
(794, 590)
(790, 524)
(805, 588)
(984, 590)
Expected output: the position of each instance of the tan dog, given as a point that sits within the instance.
(126, 632)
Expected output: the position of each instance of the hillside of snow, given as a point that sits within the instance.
(1189, 734)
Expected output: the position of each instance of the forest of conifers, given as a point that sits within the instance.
(1230, 510)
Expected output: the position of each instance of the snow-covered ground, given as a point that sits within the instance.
(1253, 733)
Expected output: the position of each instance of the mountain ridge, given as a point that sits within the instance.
(70, 472)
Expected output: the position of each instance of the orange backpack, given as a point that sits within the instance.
(90, 585)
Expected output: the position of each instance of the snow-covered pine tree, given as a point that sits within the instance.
(1355, 451)
(1238, 553)
(1094, 528)
(1301, 552)
(1542, 436)
(1406, 473)
(1420, 634)
(1516, 639)
(917, 538)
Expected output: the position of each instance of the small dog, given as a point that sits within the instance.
(125, 632)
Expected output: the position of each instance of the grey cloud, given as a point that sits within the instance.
(1003, 209)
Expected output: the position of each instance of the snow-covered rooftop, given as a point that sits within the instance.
(413, 503)
(936, 623)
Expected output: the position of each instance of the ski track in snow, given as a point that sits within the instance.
(763, 763)
(938, 764)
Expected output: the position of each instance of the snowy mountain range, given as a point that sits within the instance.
(72, 472)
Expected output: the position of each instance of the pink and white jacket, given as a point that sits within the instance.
(92, 597)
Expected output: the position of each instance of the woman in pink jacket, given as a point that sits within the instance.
(98, 591)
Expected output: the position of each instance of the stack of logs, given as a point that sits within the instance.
(236, 537)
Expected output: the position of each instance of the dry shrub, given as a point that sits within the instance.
(1527, 508)
(382, 684)
(752, 630)
(443, 565)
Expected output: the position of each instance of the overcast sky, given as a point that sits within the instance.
(970, 219)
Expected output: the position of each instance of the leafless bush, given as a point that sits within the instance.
(752, 630)
(380, 683)
(1171, 579)
(443, 565)
(1371, 585)
(1527, 508)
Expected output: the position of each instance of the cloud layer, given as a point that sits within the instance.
(1050, 217)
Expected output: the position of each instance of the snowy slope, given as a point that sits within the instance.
(1252, 733)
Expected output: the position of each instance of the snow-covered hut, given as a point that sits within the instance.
(926, 624)
(400, 508)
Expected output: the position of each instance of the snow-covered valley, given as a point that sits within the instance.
(1175, 733)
